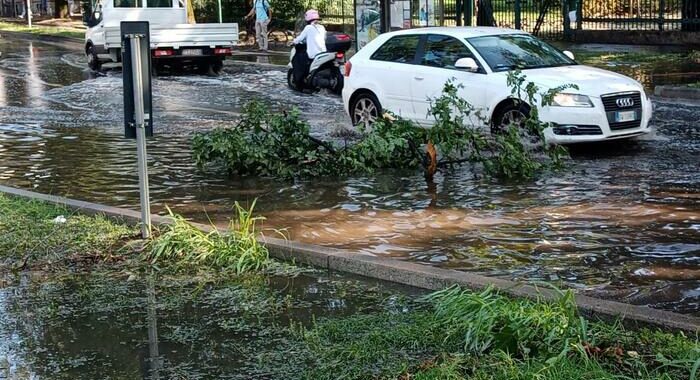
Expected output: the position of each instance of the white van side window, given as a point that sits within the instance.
(159, 3)
(128, 3)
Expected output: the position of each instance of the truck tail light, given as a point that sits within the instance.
(222, 51)
(348, 68)
(163, 52)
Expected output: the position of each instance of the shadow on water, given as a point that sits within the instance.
(115, 325)
(622, 220)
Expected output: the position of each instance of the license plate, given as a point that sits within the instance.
(191, 51)
(623, 116)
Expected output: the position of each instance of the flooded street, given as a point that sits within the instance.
(621, 220)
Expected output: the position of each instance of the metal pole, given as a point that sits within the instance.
(29, 12)
(220, 18)
(140, 135)
(579, 15)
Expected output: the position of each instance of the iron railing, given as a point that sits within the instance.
(638, 15)
(544, 18)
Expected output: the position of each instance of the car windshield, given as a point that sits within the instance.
(518, 51)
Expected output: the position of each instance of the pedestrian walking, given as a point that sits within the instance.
(263, 14)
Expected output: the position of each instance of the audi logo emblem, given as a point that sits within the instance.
(624, 102)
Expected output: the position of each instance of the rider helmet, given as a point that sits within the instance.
(312, 15)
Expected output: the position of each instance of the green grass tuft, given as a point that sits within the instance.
(488, 321)
(459, 334)
(181, 243)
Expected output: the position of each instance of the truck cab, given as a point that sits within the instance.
(174, 42)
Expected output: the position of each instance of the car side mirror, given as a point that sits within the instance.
(569, 54)
(86, 18)
(467, 64)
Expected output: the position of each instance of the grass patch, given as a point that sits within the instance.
(37, 233)
(34, 232)
(458, 334)
(181, 243)
(42, 30)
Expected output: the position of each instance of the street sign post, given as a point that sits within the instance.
(138, 120)
(29, 13)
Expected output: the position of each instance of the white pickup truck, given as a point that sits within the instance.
(174, 42)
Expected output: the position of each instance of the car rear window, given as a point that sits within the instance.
(400, 49)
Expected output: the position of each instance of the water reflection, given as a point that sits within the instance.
(114, 325)
(35, 88)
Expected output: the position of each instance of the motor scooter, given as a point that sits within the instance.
(324, 70)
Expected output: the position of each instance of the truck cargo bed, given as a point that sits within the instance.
(176, 36)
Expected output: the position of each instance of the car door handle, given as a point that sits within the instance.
(418, 78)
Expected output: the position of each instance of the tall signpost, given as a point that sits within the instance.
(29, 13)
(138, 120)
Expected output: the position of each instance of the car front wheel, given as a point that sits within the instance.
(365, 109)
(512, 115)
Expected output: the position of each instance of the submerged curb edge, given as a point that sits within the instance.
(406, 273)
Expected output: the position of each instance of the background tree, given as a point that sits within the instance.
(61, 10)
(190, 13)
(484, 14)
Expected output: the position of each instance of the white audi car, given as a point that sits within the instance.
(401, 71)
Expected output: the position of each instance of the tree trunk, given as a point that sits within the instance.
(484, 14)
(61, 10)
(691, 10)
(190, 13)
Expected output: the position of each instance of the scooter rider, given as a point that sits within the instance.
(314, 35)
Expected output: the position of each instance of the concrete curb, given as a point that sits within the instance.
(417, 275)
(682, 92)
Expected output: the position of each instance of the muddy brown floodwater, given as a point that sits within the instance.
(622, 220)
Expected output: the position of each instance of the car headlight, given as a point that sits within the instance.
(571, 100)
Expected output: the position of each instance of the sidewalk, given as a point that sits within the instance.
(72, 23)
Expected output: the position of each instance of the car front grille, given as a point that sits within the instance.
(577, 130)
(610, 101)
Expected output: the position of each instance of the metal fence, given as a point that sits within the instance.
(638, 15)
(338, 15)
(556, 18)
(544, 18)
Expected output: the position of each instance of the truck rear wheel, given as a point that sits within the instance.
(213, 66)
(93, 61)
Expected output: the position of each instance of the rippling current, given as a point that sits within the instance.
(622, 220)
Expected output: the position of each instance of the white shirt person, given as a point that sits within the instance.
(314, 34)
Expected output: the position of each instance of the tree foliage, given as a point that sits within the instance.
(265, 143)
